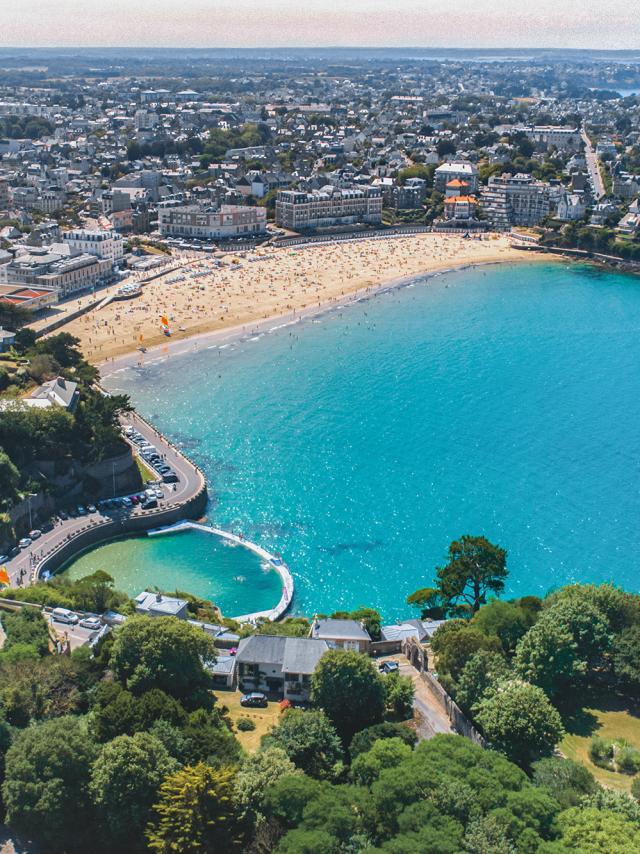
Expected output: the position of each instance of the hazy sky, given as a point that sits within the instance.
(604, 24)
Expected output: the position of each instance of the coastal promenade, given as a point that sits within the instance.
(70, 537)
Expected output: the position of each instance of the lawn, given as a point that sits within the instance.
(609, 717)
(264, 719)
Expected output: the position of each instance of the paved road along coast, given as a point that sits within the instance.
(68, 537)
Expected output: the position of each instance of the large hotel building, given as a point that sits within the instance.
(301, 211)
(195, 221)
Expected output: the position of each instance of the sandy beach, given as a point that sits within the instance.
(211, 293)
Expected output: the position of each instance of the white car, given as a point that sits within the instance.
(64, 615)
(24, 543)
(93, 623)
(35, 534)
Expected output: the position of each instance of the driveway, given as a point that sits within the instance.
(431, 718)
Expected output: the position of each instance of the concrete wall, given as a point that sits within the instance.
(100, 532)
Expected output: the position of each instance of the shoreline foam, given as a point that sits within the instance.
(241, 332)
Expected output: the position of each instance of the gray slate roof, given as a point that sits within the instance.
(339, 630)
(293, 655)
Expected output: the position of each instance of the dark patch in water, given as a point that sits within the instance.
(365, 546)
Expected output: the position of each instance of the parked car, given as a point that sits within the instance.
(149, 504)
(35, 534)
(170, 477)
(14, 551)
(126, 502)
(82, 511)
(91, 508)
(254, 700)
(24, 543)
(64, 615)
(63, 515)
(47, 526)
(93, 623)
(389, 667)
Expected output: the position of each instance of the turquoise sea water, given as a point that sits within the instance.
(498, 400)
(196, 562)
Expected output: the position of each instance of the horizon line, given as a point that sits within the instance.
(312, 47)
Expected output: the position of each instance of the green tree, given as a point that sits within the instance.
(301, 841)
(9, 480)
(26, 627)
(476, 568)
(45, 790)
(364, 740)
(350, 690)
(594, 831)
(487, 835)
(166, 654)
(626, 658)
(310, 741)
(124, 784)
(385, 753)
(197, 813)
(484, 670)
(547, 656)
(455, 649)
(504, 620)
(258, 771)
(209, 739)
(518, 719)
(567, 781)
(398, 692)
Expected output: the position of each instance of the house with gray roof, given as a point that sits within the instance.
(159, 605)
(341, 634)
(56, 392)
(278, 665)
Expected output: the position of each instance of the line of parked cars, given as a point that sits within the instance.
(147, 500)
(151, 455)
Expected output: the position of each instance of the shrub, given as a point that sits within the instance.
(245, 725)
(627, 759)
(601, 751)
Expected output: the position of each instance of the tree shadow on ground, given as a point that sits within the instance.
(577, 717)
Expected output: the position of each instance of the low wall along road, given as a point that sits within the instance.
(69, 538)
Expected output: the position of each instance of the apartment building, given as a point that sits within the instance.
(66, 274)
(329, 206)
(107, 244)
(510, 200)
(196, 221)
(557, 135)
(452, 171)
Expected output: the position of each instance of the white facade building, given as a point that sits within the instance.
(107, 245)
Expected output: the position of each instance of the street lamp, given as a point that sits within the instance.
(30, 495)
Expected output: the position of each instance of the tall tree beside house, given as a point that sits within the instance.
(350, 690)
(476, 568)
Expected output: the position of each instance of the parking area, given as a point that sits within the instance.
(74, 635)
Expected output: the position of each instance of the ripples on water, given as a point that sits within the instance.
(501, 401)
